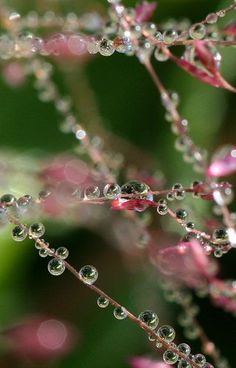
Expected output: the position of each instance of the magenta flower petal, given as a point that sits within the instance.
(230, 29)
(215, 79)
(142, 362)
(205, 56)
(138, 205)
(144, 11)
(14, 74)
(224, 163)
(41, 339)
(66, 45)
(186, 262)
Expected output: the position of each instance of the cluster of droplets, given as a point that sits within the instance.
(107, 166)
(124, 34)
(20, 46)
(70, 22)
(56, 266)
(165, 335)
(20, 207)
(192, 154)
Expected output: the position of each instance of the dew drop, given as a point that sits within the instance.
(92, 192)
(112, 191)
(56, 267)
(170, 357)
(120, 313)
(36, 230)
(160, 55)
(62, 252)
(197, 31)
(102, 302)
(7, 200)
(149, 318)
(19, 233)
(166, 333)
(43, 252)
(184, 348)
(88, 274)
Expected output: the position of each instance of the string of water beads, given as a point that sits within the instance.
(48, 91)
(171, 37)
(188, 320)
(128, 193)
(20, 233)
(10, 19)
(88, 275)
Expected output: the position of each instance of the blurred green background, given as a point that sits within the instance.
(129, 107)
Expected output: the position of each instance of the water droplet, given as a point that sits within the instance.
(36, 230)
(220, 236)
(151, 337)
(19, 233)
(184, 364)
(184, 348)
(106, 47)
(200, 359)
(160, 55)
(92, 192)
(212, 18)
(181, 214)
(88, 274)
(166, 333)
(149, 318)
(120, 313)
(102, 302)
(170, 36)
(112, 191)
(197, 31)
(62, 252)
(170, 357)
(92, 47)
(56, 267)
(7, 200)
(170, 196)
(43, 252)
(135, 187)
(162, 209)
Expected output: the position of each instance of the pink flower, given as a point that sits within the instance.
(207, 67)
(223, 295)
(230, 29)
(41, 339)
(138, 205)
(14, 74)
(187, 262)
(141, 362)
(207, 191)
(66, 45)
(224, 162)
(144, 11)
(66, 169)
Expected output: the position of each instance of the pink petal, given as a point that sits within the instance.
(144, 11)
(14, 74)
(224, 164)
(41, 339)
(141, 362)
(215, 80)
(230, 29)
(66, 45)
(223, 295)
(68, 169)
(187, 262)
(205, 56)
(138, 205)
